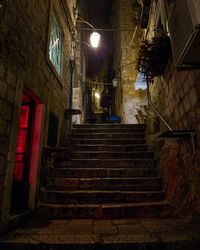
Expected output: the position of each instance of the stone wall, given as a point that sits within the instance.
(127, 48)
(176, 95)
(24, 35)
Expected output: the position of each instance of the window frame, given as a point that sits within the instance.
(55, 21)
(54, 12)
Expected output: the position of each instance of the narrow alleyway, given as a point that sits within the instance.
(99, 125)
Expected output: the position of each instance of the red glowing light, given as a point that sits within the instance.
(24, 116)
(28, 147)
(21, 141)
(18, 171)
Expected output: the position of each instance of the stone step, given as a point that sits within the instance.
(112, 155)
(108, 148)
(108, 141)
(107, 130)
(100, 196)
(159, 209)
(121, 126)
(111, 174)
(108, 136)
(121, 163)
(133, 184)
(92, 172)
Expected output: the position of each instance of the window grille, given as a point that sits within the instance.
(55, 44)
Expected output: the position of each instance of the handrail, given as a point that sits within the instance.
(161, 117)
(191, 133)
(157, 112)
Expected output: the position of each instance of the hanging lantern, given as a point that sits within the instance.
(115, 82)
(94, 39)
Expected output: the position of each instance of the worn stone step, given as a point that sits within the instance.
(111, 174)
(100, 196)
(159, 209)
(107, 141)
(107, 130)
(108, 148)
(92, 172)
(108, 136)
(107, 163)
(112, 155)
(143, 126)
(133, 184)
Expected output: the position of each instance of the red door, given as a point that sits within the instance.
(21, 185)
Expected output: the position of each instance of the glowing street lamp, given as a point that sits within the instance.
(97, 95)
(95, 39)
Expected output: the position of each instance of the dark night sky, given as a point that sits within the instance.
(99, 12)
(99, 15)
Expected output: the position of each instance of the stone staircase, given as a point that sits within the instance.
(110, 178)
(111, 174)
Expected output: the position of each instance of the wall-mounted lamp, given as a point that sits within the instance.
(115, 82)
(94, 36)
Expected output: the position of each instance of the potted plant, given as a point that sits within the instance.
(153, 56)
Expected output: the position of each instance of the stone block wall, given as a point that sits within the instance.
(176, 95)
(24, 63)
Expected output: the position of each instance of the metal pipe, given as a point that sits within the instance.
(107, 29)
(161, 117)
(192, 141)
(133, 36)
(81, 20)
(192, 134)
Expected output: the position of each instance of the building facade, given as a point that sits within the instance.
(175, 95)
(37, 73)
(171, 70)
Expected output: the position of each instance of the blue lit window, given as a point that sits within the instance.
(55, 44)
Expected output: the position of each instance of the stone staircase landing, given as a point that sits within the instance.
(132, 234)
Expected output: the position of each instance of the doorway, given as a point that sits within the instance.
(23, 167)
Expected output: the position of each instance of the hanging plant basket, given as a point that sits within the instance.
(153, 56)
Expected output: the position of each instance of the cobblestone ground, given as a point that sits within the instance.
(104, 234)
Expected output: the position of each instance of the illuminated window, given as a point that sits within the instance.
(55, 44)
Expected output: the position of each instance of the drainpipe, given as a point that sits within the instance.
(72, 67)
